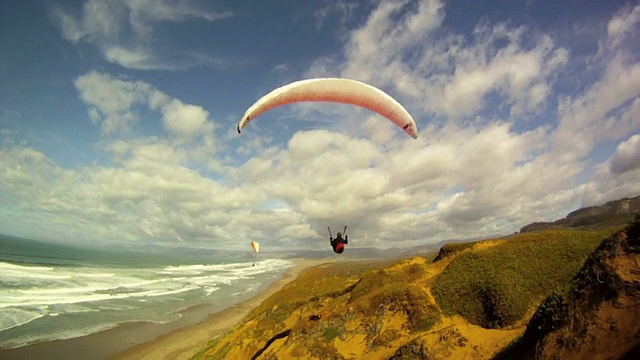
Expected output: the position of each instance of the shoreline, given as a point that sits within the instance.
(184, 343)
(180, 339)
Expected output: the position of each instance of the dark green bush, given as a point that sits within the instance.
(496, 287)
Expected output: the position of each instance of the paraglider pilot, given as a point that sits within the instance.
(339, 242)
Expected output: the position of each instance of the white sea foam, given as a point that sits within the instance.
(15, 317)
(68, 333)
(211, 290)
(77, 295)
(8, 266)
(28, 293)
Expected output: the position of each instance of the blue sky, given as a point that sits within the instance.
(117, 119)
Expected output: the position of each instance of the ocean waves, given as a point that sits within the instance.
(38, 301)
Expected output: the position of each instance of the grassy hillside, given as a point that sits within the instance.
(326, 281)
(308, 291)
(597, 312)
(500, 281)
(451, 249)
(474, 300)
(471, 302)
(333, 309)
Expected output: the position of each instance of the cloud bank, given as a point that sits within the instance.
(504, 141)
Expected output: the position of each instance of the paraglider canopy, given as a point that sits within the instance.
(335, 90)
(255, 246)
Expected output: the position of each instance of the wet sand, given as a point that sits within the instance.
(177, 340)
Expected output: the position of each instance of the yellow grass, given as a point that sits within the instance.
(370, 311)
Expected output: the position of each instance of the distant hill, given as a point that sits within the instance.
(613, 213)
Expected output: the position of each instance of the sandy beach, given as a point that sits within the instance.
(178, 340)
(186, 342)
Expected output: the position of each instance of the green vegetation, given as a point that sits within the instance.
(415, 349)
(577, 301)
(202, 354)
(405, 298)
(496, 287)
(330, 333)
(323, 281)
(596, 281)
(430, 317)
(385, 338)
(415, 271)
(273, 318)
(493, 284)
(371, 281)
(376, 279)
(452, 248)
(394, 289)
(313, 283)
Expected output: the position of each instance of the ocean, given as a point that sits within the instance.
(51, 292)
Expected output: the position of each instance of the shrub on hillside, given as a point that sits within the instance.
(495, 287)
(403, 298)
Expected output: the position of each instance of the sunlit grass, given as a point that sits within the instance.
(318, 281)
(495, 287)
(573, 305)
(495, 284)
(451, 249)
